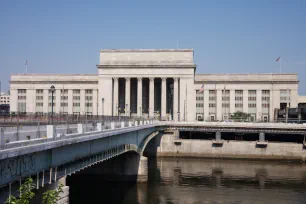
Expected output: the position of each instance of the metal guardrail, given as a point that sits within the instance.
(29, 137)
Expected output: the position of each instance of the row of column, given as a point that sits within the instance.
(151, 96)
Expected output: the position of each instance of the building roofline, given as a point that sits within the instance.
(232, 74)
(146, 50)
(49, 74)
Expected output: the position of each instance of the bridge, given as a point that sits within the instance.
(52, 153)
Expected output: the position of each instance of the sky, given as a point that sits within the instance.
(228, 36)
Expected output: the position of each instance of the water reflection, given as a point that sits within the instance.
(210, 181)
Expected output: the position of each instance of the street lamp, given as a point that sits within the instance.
(102, 107)
(52, 89)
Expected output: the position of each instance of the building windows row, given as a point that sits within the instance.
(76, 104)
(225, 105)
(76, 98)
(212, 98)
(252, 105)
(39, 91)
(39, 98)
(22, 97)
(64, 104)
(225, 98)
(252, 98)
(265, 105)
(238, 92)
(212, 105)
(238, 98)
(265, 98)
(200, 98)
(199, 105)
(39, 104)
(22, 91)
(64, 97)
(238, 105)
(89, 98)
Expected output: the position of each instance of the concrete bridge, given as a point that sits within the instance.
(58, 154)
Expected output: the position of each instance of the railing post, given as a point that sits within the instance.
(130, 123)
(140, 122)
(51, 133)
(112, 125)
(1, 137)
(122, 124)
(80, 128)
(99, 126)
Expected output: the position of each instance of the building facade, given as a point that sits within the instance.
(154, 83)
(4, 98)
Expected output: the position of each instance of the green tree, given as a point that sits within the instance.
(240, 116)
(52, 196)
(26, 193)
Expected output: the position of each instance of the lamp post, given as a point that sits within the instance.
(52, 89)
(102, 107)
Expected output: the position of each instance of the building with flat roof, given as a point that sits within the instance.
(154, 83)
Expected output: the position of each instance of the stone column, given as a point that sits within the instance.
(151, 98)
(219, 105)
(258, 105)
(232, 101)
(116, 96)
(70, 101)
(139, 97)
(163, 98)
(82, 102)
(127, 96)
(175, 99)
(245, 101)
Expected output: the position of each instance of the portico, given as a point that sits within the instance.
(151, 83)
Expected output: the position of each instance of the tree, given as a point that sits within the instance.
(240, 116)
(26, 193)
(52, 196)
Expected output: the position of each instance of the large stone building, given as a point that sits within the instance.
(154, 83)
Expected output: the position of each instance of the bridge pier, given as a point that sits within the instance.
(262, 142)
(218, 141)
(136, 166)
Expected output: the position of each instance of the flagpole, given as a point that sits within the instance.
(26, 67)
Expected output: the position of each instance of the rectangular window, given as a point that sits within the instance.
(76, 104)
(238, 98)
(212, 91)
(212, 105)
(265, 92)
(212, 98)
(50, 104)
(39, 98)
(225, 105)
(50, 98)
(39, 104)
(252, 92)
(76, 98)
(252, 105)
(39, 91)
(252, 98)
(64, 104)
(21, 91)
(239, 105)
(238, 92)
(88, 98)
(265, 98)
(64, 97)
(265, 105)
(64, 91)
(76, 91)
(199, 105)
(88, 91)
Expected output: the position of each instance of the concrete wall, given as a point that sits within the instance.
(170, 145)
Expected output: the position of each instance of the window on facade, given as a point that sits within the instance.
(265, 98)
(265, 92)
(200, 98)
(88, 98)
(265, 105)
(39, 104)
(76, 104)
(76, 91)
(50, 98)
(252, 105)
(238, 105)
(22, 97)
(64, 104)
(50, 104)
(64, 97)
(39, 97)
(199, 105)
(252, 98)
(21, 91)
(39, 91)
(212, 91)
(238, 92)
(76, 98)
(238, 98)
(64, 91)
(252, 92)
(212, 105)
(212, 98)
(88, 91)
(225, 98)
(225, 105)
(88, 104)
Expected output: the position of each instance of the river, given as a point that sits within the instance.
(194, 181)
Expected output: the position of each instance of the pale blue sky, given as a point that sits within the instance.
(238, 36)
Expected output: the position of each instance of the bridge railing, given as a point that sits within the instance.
(11, 137)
